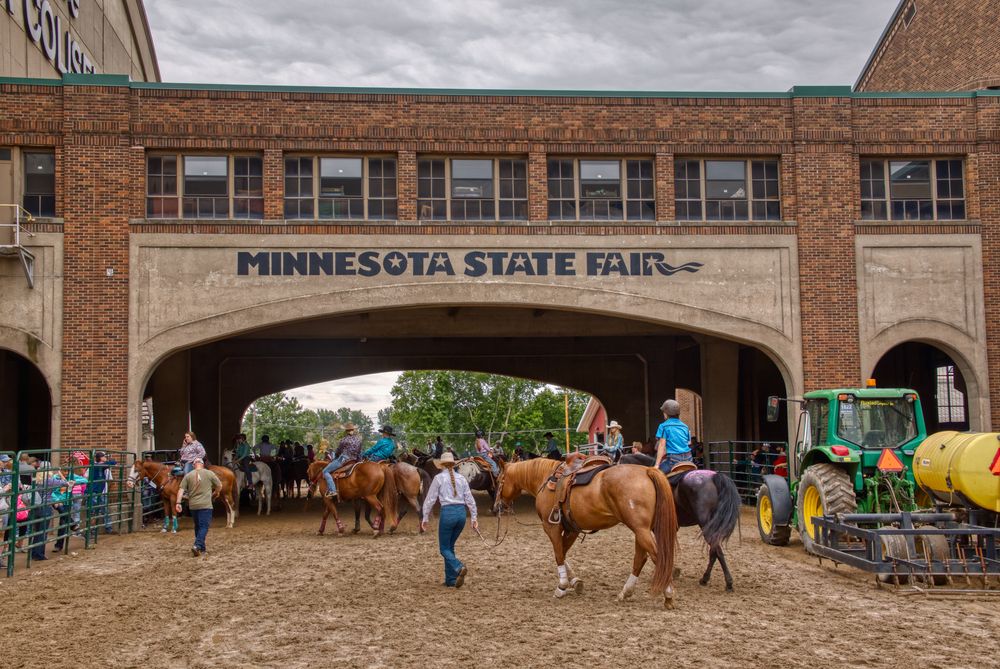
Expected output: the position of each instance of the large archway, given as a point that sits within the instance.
(25, 405)
(936, 376)
(631, 365)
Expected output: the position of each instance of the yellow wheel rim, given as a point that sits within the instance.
(765, 515)
(812, 505)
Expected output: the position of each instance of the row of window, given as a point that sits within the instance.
(496, 189)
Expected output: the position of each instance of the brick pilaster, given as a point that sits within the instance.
(538, 189)
(274, 184)
(406, 185)
(663, 171)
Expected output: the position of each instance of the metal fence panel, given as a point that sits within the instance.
(65, 496)
(746, 462)
(8, 511)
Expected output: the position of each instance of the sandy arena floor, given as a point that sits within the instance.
(274, 594)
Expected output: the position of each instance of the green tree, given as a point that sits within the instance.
(456, 404)
(280, 417)
(332, 423)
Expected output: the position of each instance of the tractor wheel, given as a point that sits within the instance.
(894, 546)
(824, 489)
(770, 532)
(933, 547)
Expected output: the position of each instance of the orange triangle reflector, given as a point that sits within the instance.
(889, 462)
(995, 467)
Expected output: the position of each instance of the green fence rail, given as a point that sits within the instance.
(62, 497)
(746, 462)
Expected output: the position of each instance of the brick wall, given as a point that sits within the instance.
(949, 45)
(101, 135)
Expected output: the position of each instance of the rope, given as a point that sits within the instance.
(499, 540)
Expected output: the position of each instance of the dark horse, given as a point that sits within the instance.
(294, 472)
(707, 499)
(478, 479)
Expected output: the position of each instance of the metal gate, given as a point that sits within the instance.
(746, 462)
(65, 497)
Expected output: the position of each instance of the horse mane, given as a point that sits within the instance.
(529, 474)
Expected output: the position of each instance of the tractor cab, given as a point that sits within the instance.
(853, 453)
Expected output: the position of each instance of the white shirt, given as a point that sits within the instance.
(441, 490)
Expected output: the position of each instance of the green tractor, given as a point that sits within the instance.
(853, 454)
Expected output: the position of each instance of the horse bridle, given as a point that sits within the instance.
(134, 476)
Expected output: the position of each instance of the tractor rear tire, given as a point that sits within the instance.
(824, 489)
(770, 532)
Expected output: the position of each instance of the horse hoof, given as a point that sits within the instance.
(355, 530)
(173, 531)
(729, 587)
(163, 531)
(703, 581)
(668, 604)
(560, 593)
(577, 586)
(677, 572)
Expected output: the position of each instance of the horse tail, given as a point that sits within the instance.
(665, 531)
(388, 497)
(727, 512)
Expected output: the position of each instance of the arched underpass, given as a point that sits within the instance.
(25, 405)
(631, 366)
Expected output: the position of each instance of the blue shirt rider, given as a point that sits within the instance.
(673, 438)
(383, 448)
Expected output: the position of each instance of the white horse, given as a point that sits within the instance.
(261, 477)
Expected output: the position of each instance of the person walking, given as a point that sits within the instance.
(199, 484)
(191, 449)
(452, 490)
(673, 438)
(349, 448)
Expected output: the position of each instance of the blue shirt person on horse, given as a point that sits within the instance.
(615, 442)
(384, 447)
(673, 438)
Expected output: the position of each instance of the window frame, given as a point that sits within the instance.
(498, 201)
(887, 200)
(179, 195)
(37, 196)
(316, 161)
(749, 184)
(579, 202)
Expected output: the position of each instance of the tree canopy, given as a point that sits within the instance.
(282, 418)
(455, 404)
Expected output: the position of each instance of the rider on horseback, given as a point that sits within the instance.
(243, 460)
(383, 448)
(615, 442)
(672, 438)
(486, 452)
(349, 448)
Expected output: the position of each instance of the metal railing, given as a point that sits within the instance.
(65, 498)
(746, 462)
(12, 245)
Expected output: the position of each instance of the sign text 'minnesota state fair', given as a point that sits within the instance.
(470, 264)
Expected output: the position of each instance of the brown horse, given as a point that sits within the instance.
(638, 497)
(372, 482)
(167, 484)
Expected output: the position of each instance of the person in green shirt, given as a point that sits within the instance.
(243, 460)
(199, 484)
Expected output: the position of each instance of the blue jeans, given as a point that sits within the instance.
(202, 518)
(62, 523)
(328, 473)
(493, 464)
(188, 467)
(99, 511)
(40, 524)
(450, 525)
(244, 465)
(671, 459)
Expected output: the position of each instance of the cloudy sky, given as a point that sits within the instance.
(675, 45)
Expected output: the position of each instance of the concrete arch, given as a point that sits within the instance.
(968, 356)
(10, 358)
(148, 352)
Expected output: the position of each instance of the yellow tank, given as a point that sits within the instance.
(954, 467)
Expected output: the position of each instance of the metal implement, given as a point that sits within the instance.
(934, 549)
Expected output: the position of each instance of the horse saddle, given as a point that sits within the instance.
(346, 469)
(576, 472)
(481, 463)
(679, 471)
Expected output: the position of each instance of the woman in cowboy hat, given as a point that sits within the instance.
(452, 490)
(614, 443)
(384, 447)
(349, 448)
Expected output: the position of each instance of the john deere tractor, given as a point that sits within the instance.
(853, 453)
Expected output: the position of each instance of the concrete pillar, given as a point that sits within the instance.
(171, 400)
(720, 383)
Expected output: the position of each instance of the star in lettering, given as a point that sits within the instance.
(394, 260)
(650, 264)
(614, 262)
(519, 262)
(441, 262)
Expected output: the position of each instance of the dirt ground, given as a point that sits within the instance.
(274, 594)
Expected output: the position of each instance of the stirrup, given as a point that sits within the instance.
(555, 516)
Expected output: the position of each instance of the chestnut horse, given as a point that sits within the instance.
(372, 482)
(167, 484)
(638, 497)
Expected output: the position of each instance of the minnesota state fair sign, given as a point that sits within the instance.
(491, 263)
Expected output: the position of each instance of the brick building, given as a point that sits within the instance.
(205, 245)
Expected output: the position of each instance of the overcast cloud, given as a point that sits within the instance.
(697, 45)
(667, 45)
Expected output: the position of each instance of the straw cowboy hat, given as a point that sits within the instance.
(613, 425)
(350, 427)
(447, 459)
